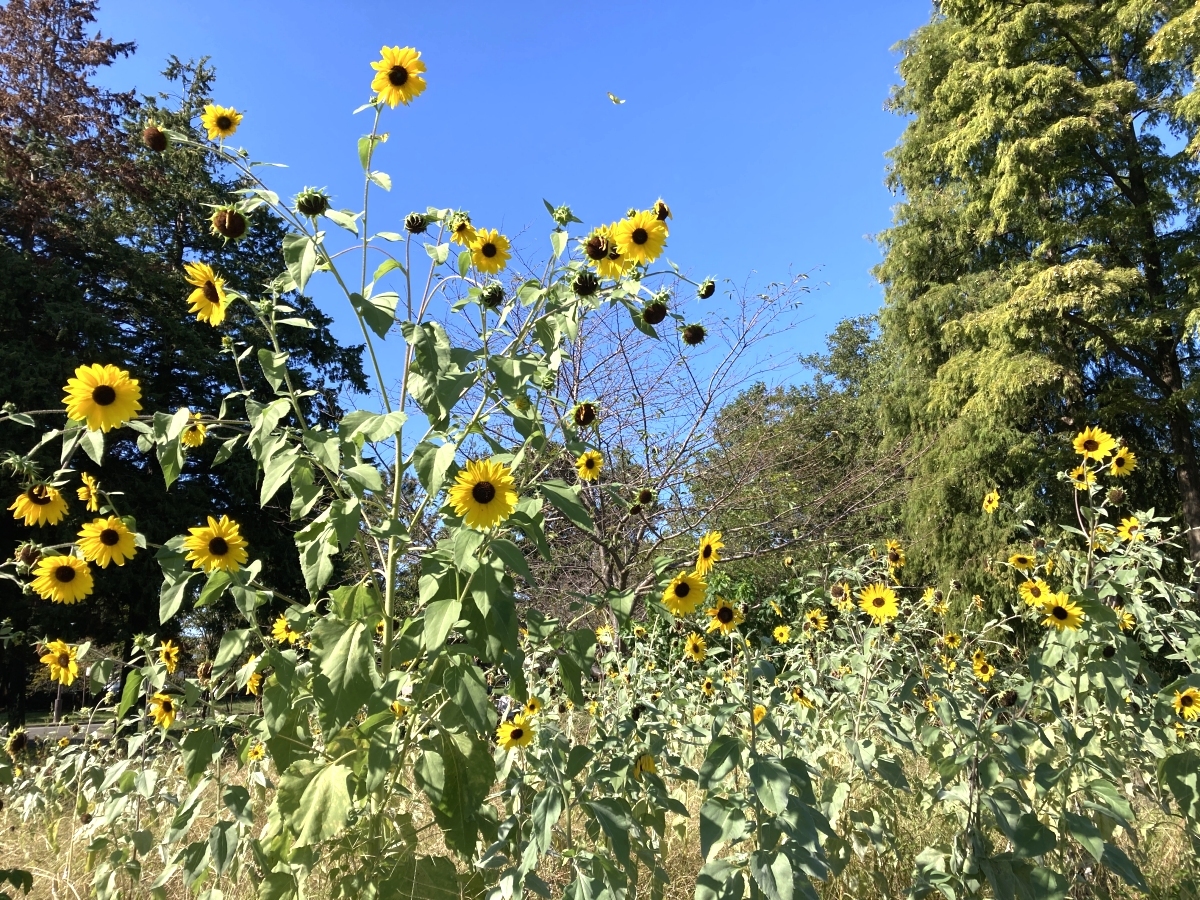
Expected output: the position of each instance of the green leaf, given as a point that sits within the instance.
(721, 821)
(365, 476)
(383, 179)
(464, 264)
(455, 773)
(358, 601)
(233, 647)
(129, 696)
(1031, 837)
(440, 617)
(719, 880)
(439, 253)
(92, 443)
(613, 817)
(276, 474)
(723, 756)
(300, 256)
(1180, 772)
(274, 366)
(345, 218)
(170, 596)
(223, 846)
(344, 672)
(198, 747)
(325, 446)
(379, 312)
(513, 558)
(388, 265)
(432, 462)
(558, 241)
(324, 807)
(771, 782)
(566, 499)
(372, 426)
(772, 871)
(237, 800)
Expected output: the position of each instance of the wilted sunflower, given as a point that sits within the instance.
(695, 647)
(1022, 562)
(283, 632)
(228, 222)
(815, 620)
(760, 713)
(15, 744)
(685, 591)
(89, 492)
(895, 555)
(461, 230)
(398, 76)
(1034, 591)
(1123, 462)
(1187, 704)
(209, 300)
(533, 706)
(220, 121)
(102, 396)
(984, 670)
(724, 617)
(194, 432)
(162, 708)
(708, 552)
(483, 494)
(60, 660)
(168, 655)
(219, 545)
(1082, 478)
(782, 634)
(840, 594)
(694, 334)
(800, 697)
(62, 579)
(40, 505)
(1061, 612)
(588, 465)
(991, 502)
(490, 251)
(879, 602)
(644, 764)
(254, 681)
(1131, 530)
(105, 541)
(1094, 443)
(640, 237)
(514, 733)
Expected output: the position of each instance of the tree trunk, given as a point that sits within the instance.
(1183, 448)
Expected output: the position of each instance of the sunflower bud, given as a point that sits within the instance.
(788, 562)
(647, 497)
(312, 203)
(654, 312)
(661, 210)
(956, 585)
(707, 288)
(585, 284)
(492, 294)
(1116, 496)
(154, 138)
(230, 223)
(584, 415)
(694, 335)
(938, 596)
(1009, 698)
(562, 215)
(415, 223)
(84, 818)
(28, 553)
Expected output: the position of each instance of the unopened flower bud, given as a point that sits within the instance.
(492, 294)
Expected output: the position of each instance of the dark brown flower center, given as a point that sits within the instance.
(1119, 462)
(64, 660)
(707, 551)
(879, 603)
(893, 556)
(218, 546)
(682, 589)
(38, 495)
(488, 249)
(596, 247)
(483, 492)
(167, 706)
(1059, 613)
(64, 574)
(224, 123)
(589, 463)
(103, 394)
(397, 75)
(1035, 591)
(1091, 445)
(837, 592)
(517, 733)
(640, 236)
(209, 289)
(724, 615)
(1186, 700)
(110, 537)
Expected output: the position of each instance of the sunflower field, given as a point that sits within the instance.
(417, 722)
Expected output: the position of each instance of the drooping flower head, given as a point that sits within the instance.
(62, 579)
(220, 121)
(643, 765)
(194, 432)
(461, 230)
(879, 602)
(60, 660)
(815, 620)
(102, 396)
(107, 541)
(89, 492)
(398, 76)
(685, 591)
(218, 545)
(283, 632)
(209, 300)
(168, 655)
(709, 552)
(800, 697)
(40, 505)
(602, 254)
(490, 251)
(484, 494)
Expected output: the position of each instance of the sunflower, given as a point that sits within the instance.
(684, 593)
(952, 641)
(782, 634)
(640, 237)
(168, 655)
(40, 505)
(1034, 591)
(639, 632)
(62, 579)
(984, 670)
(209, 300)
(991, 502)
(1082, 478)
(895, 555)
(162, 708)
(707, 688)
(940, 607)
(815, 620)
(15, 744)
(776, 608)
(398, 76)
(257, 753)
(1094, 443)
(1123, 462)
(948, 663)
(103, 396)
(533, 707)
(1061, 612)
(695, 647)
(604, 635)
(219, 545)
(490, 251)
(105, 541)
(483, 494)
(879, 602)
(254, 682)
(514, 733)
(588, 465)
(1022, 562)
(89, 493)
(760, 713)
(60, 660)
(283, 632)
(221, 121)
(1187, 704)
(841, 596)
(1131, 530)
(194, 432)
(399, 710)
(1125, 620)
(708, 554)
(724, 616)
(644, 764)
(800, 697)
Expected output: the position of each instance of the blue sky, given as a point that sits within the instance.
(761, 123)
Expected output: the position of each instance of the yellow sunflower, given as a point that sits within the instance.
(709, 552)
(782, 634)
(209, 300)
(461, 230)
(168, 655)
(695, 647)
(800, 697)
(398, 76)
(952, 641)
(1061, 612)
(1125, 620)
(879, 602)
(257, 753)
(194, 432)
(815, 620)
(89, 493)
(514, 733)
(604, 635)
(685, 592)
(62, 579)
(707, 688)
(760, 713)
(1034, 591)
(991, 502)
(105, 541)
(60, 660)
(399, 710)
(1187, 704)
(984, 670)
(40, 505)
(218, 545)
(841, 596)
(724, 617)
(1123, 462)
(1022, 562)
(102, 396)
(283, 632)
(533, 707)
(490, 251)
(1094, 443)
(602, 254)
(640, 237)
(644, 764)
(254, 682)
(1131, 530)
(895, 555)
(588, 465)
(220, 121)
(163, 709)
(1082, 478)
(483, 494)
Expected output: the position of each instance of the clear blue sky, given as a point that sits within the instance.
(761, 123)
